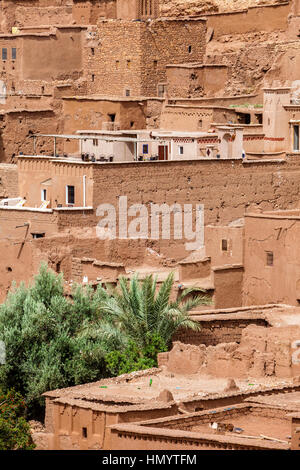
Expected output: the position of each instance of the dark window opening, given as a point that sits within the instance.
(4, 53)
(112, 117)
(244, 118)
(131, 124)
(92, 50)
(270, 258)
(200, 123)
(44, 195)
(9, 269)
(127, 92)
(224, 245)
(57, 268)
(70, 195)
(190, 49)
(259, 118)
(93, 77)
(145, 148)
(155, 64)
(38, 235)
(296, 138)
(84, 433)
(13, 53)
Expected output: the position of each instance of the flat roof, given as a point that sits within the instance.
(93, 136)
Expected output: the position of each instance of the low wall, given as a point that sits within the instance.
(173, 433)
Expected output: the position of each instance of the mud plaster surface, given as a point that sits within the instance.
(180, 386)
(253, 426)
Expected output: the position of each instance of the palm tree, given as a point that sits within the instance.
(136, 309)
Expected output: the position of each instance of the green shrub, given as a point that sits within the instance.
(14, 429)
(133, 359)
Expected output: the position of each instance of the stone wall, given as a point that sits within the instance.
(262, 352)
(8, 181)
(217, 331)
(140, 64)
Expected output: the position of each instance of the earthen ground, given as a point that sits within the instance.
(253, 426)
(181, 387)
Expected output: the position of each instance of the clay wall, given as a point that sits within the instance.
(54, 57)
(254, 19)
(188, 81)
(186, 118)
(262, 352)
(26, 16)
(88, 12)
(8, 181)
(225, 188)
(228, 284)
(280, 281)
(222, 253)
(91, 114)
(17, 132)
(21, 260)
(37, 173)
(66, 421)
(135, 437)
(32, 171)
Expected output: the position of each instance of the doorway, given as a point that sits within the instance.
(162, 152)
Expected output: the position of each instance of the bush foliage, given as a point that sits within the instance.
(14, 429)
(53, 341)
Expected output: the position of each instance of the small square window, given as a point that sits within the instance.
(4, 53)
(270, 258)
(161, 90)
(224, 245)
(70, 194)
(38, 235)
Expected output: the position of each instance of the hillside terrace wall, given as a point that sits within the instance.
(267, 18)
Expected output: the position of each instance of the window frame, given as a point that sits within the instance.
(67, 194)
(43, 195)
